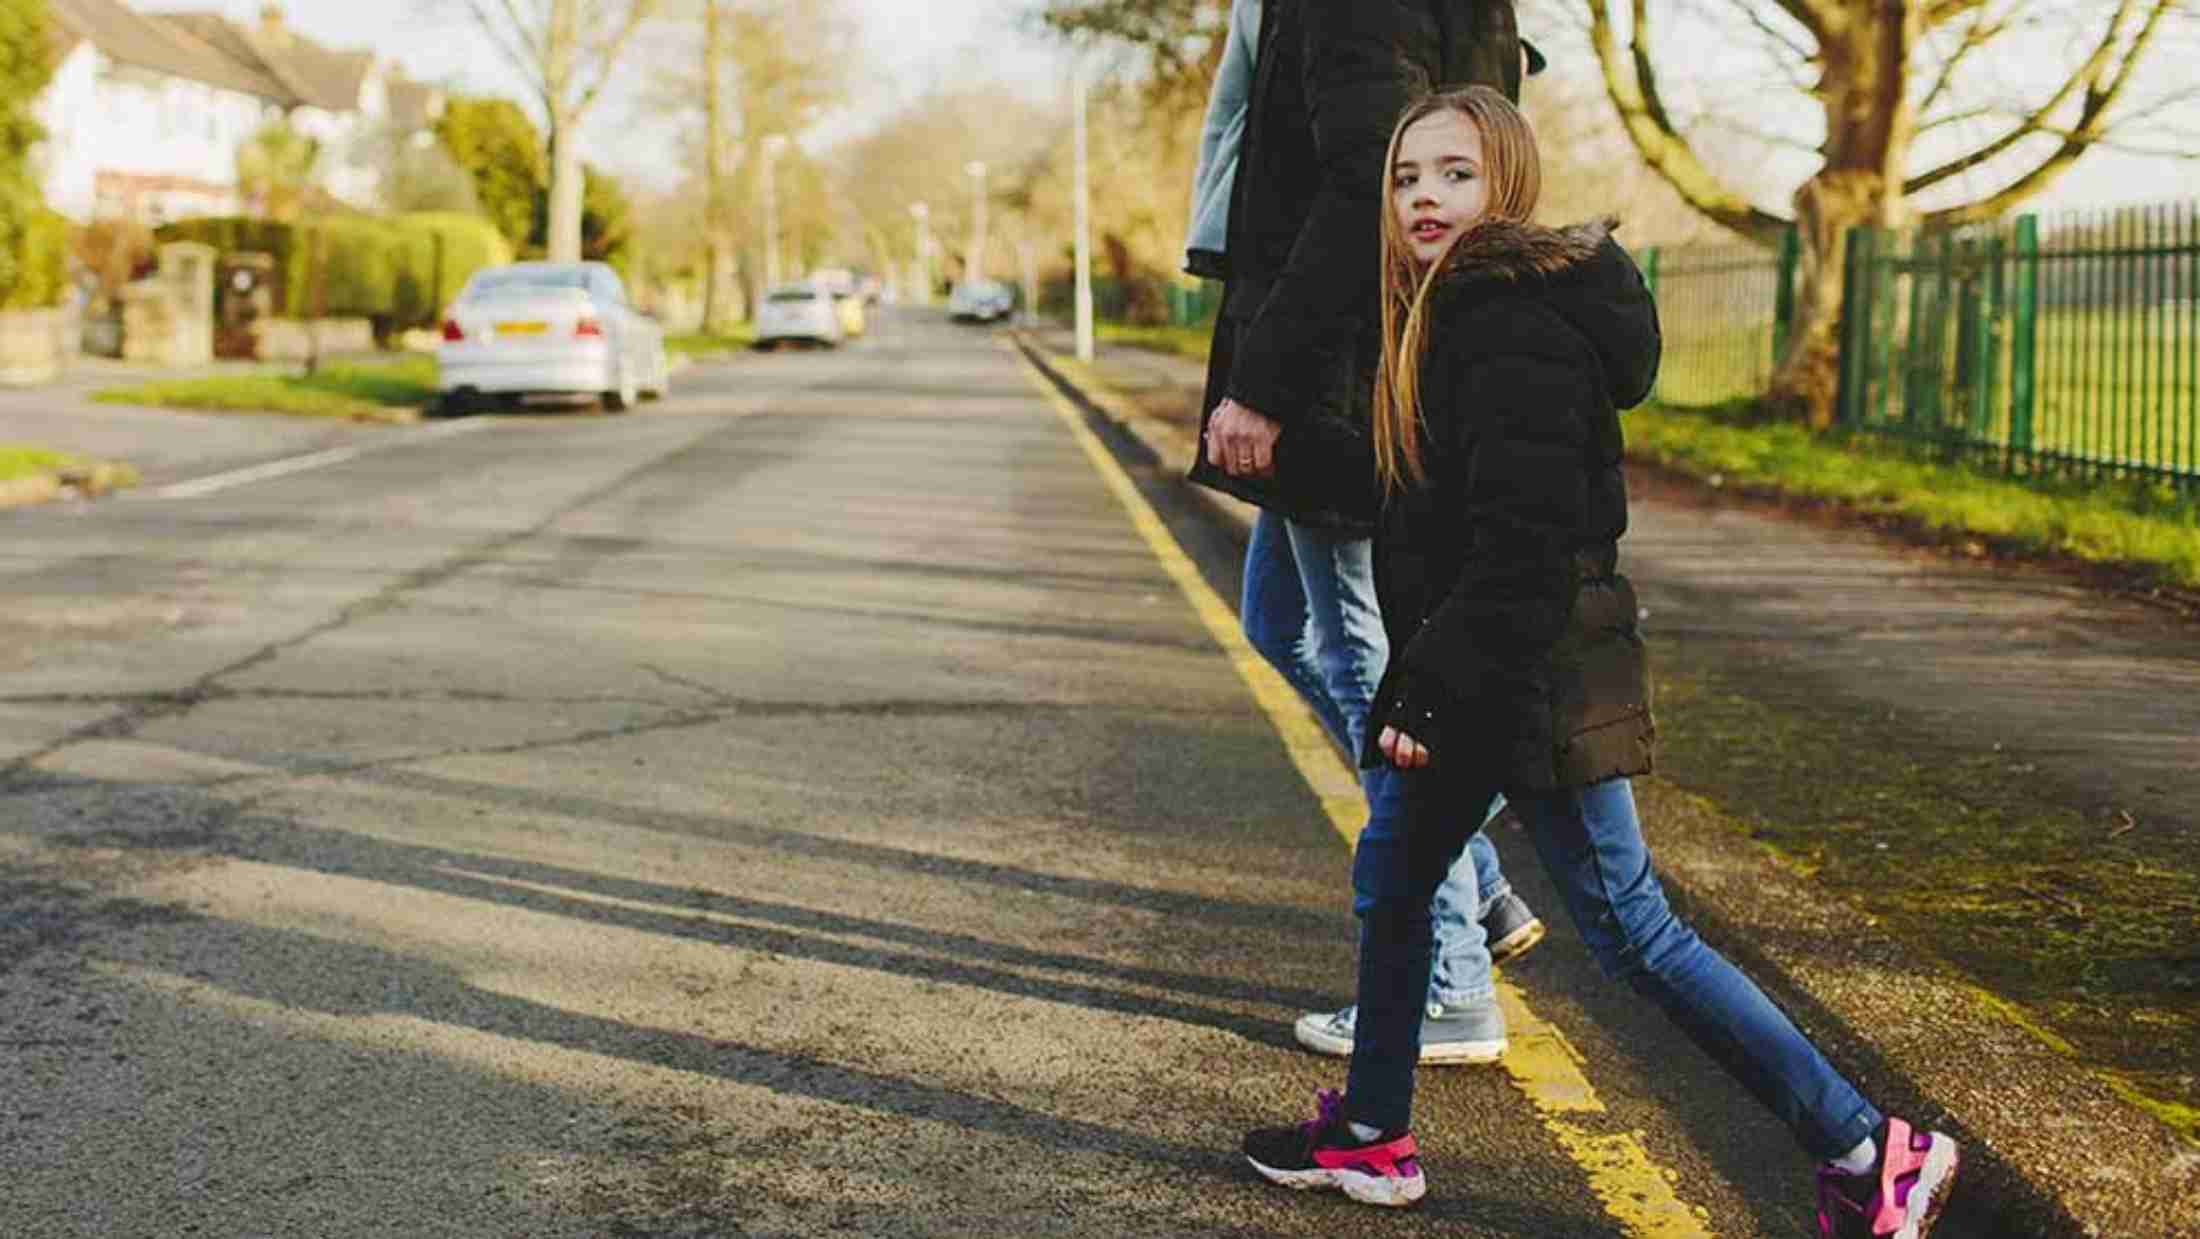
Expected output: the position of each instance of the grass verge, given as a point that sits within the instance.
(2078, 926)
(705, 343)
(33, 474)
(22, 460)
(1188, 341)
(2134, 524)
(362, 391)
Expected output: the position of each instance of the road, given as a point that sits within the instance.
(823, 802)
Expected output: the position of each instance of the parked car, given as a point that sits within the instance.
(980, 301)
(799, 313)
(854, 316)
(549, 328)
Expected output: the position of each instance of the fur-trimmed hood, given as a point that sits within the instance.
(1582, 274)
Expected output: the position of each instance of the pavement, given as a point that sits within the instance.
(164, 445)
(827, 801)
(2087, 702)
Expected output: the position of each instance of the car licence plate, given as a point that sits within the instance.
(522, 329)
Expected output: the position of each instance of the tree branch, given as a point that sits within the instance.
(1980, 32)
(606, 54)
(2087, 74)
(1816, 16)
(1772, 32)
(2092, 124)
(1632, 87)
(1940, 12)
(511, 41)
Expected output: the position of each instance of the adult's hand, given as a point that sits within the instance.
(1241, 442)
(1403, 750)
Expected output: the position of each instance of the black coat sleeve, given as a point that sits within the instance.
(1359, 55)
(1522, 496)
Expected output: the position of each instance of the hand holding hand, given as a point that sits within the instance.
(1403, 750)
(1241, 442)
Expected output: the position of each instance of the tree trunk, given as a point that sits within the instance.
(718, 263)
(1870, 122)
(565, 192)
(561, 54)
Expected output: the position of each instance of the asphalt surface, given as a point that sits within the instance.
(804, 806)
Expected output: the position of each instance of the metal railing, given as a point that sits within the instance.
(2054, 345)
(2040, 345)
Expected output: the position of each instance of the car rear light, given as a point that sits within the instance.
(588, 327)
(451, 331)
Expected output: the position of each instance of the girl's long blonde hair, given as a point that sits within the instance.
(1514, 171)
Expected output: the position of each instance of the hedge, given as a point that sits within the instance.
(383, 269)
(38, 273)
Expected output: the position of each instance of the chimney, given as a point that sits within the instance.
(271, 22)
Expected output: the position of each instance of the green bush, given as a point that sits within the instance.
(41, 272)
(429, 278)
(236, 235)
(31, 248)
(358, 266)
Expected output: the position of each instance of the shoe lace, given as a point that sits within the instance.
(1328, 1103)
(1833, 1199)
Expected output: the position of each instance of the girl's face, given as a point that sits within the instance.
(1437, 189)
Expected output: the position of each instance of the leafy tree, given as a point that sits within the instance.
(747, 70)
(501, 150)
(567, 51)
(279, 168)
(1179, 41)
(412, 174)
(26, 266)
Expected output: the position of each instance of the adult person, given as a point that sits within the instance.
(1508, 350)
(1290, 154)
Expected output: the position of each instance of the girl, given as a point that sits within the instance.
(1508, 349)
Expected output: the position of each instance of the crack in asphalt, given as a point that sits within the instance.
(722, 708)
(136, 716)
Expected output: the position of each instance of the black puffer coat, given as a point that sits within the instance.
(1515, 651)
(1299, 325)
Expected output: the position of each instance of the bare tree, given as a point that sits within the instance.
(1914, 100)
(567, 51)
(745, 70)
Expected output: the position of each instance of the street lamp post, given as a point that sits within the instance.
(922, 213)
(774, 144)
(974, 269)
(1081, 191)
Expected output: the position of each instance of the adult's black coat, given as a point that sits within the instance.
(1516, 652)
(1297, 335)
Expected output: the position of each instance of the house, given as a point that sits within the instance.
(147, 111)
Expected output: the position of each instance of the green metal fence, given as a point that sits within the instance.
(1723, 311)
(2045, 344)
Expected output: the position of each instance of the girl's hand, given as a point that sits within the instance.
(1404, 752)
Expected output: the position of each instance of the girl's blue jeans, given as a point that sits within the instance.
(1309, 609)
(1591, 845)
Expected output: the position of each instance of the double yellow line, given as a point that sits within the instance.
(1636, 1192)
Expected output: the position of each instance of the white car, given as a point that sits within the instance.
(549, 328)
(803, 312)
(980, 301)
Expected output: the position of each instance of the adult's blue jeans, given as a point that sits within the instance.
(1309, 608)
(1590, 842)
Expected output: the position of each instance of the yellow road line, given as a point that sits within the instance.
(1635, 1191)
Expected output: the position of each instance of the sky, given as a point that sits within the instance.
(916, 44)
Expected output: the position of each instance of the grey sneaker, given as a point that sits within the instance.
(1511, 927)
(1470, 1034)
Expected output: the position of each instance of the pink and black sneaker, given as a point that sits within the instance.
(1325, 1153)
(1900, 1198)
